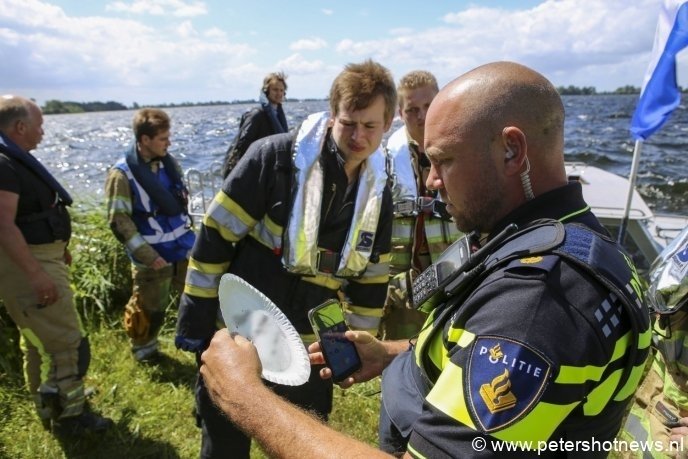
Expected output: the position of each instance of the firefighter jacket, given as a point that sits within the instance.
(413, 219)
(244, 233)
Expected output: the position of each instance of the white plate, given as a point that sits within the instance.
(251, 314)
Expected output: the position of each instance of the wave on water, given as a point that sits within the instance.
(79, 148)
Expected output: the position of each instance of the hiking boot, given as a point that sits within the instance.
(147, 353)
(85, 423)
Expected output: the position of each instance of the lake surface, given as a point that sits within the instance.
(80, 148)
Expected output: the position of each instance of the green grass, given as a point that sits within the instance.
(151, 405)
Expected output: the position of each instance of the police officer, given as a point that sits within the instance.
(540, 335)
(35, 229)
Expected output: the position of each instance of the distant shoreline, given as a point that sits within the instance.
(57, 107)
(54, 107)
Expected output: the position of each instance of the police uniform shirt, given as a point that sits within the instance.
(532, 354)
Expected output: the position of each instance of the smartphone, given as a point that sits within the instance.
(329, 325)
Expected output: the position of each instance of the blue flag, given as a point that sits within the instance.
(660, 95)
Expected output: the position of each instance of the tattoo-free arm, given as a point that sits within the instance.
(231, 372)
(14, 245)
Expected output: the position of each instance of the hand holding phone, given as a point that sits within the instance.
(329, 325)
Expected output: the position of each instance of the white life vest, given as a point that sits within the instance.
(301, 251)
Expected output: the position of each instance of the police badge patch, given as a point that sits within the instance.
(504, 380)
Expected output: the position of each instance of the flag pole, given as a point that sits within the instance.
(631, 188)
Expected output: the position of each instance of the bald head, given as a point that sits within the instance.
(495, 120)
(502, 94)
(21, 121)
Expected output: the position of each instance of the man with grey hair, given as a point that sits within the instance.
(34, 277)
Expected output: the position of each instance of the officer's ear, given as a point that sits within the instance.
(515, 148)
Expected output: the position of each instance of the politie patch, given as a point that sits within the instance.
(504, 380)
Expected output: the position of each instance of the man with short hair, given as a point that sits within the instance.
(539, 337)
(147, 212)
(304, 217)
(422, 229)
(259, 122)
(35, 229)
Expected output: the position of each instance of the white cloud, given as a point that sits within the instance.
(94, 55)
(571, 40)
(308, 44)
(298, 64)
(178, 8)
(327, 12)
(176, 57)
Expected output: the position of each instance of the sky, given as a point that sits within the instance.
(175, 51)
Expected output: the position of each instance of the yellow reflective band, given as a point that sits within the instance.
(232, 211)
(579, 375)
(645, 339)
(436, 351)
(274, 229)
(268, 233)
(323, 281)
(573, 214)
(602, 394)
(447, 395)
(226, 234)
(423, 336)
(28, 336)
(208, 268)
(460, 336)
(533, 426)
(631, 384)
(200, 292)
(414, 452)
(363, 311)
(234, 208)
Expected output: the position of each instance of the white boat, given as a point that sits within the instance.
(647, 233)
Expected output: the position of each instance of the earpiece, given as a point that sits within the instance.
(509, 154)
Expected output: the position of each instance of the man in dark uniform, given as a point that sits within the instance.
(259, 122)
(34, 276)
(536, 344)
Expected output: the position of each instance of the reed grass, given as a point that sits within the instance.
(151, 405)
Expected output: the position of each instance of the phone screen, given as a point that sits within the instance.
(340, 354)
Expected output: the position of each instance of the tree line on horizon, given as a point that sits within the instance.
(53, 106)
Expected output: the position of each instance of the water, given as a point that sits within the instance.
(80, 148)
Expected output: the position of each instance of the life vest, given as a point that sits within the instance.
(171, 236)
(406, 381)
(301, 254)
(439, 232)
(52, 222)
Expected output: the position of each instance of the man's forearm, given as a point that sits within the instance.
(285, 431)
